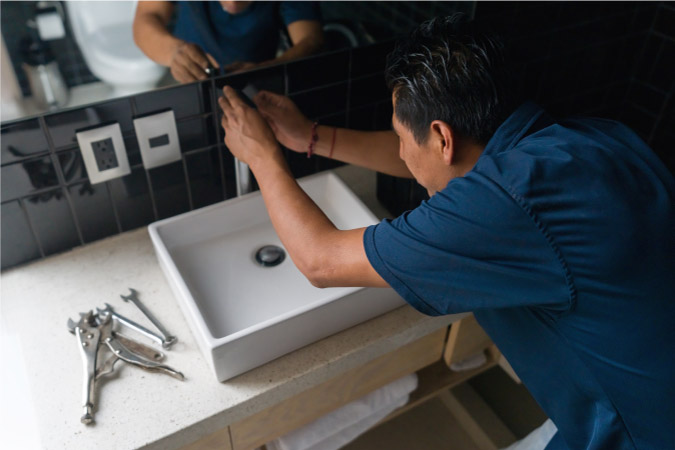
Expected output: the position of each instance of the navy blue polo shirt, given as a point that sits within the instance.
(250, 36)
(561, 240)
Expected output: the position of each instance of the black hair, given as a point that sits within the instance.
(449, 69)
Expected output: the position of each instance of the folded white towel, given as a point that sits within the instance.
(339, 427)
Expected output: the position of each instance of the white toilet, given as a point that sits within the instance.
(103, 31)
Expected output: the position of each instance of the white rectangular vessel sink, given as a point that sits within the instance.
(244, 314)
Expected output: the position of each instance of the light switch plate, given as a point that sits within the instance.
(103, 152)
(158, 139)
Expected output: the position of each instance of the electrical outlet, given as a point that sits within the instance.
(158, 139)
(103, 153)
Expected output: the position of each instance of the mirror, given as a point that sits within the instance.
(45, 67)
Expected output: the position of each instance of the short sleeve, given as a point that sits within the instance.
(469, 247)
(294, 11)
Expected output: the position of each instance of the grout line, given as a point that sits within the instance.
(187, 183)
(31, 227)
(114, 208)
(152, 195)
(219, 138)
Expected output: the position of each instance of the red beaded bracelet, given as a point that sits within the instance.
(312, 140)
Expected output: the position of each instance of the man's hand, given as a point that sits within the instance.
(290, 126)
(189, 63)
(247, 135)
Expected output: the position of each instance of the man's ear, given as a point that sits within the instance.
(445, 137)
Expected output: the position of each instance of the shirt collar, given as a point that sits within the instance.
(514, 128)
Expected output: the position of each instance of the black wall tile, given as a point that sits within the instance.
(185, 100)
(205, 177)
(665, 21)
(646, 97)
(648, 60)
(18, 244)
(370, 59)
(196, 133)
(169, 189)
(322, 102)
(53, 221)
(268, 78)
(228, 171)
(72, 165)
(133, 150)
(93, 210)
(21, 140)
(318, 71)
(62, 126)
(131, 196)
(26, 177)
(664, 71)
(367, 90)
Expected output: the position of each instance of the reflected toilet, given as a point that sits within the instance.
(103, 32)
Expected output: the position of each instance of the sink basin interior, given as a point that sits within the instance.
(214, 249)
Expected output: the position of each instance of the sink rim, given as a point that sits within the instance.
(188, 303)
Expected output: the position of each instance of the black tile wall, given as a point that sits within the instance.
(185, 101)
(323, 101)
(131, 198)
(170, 189)
(18, 242)
(312, 73)
(93, 210)
(53, 221)
(205, 177)
(72, 165)
(196, 133)
(24, 178)
(22, 140)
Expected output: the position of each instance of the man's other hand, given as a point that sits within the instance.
(189, 63)
(290, 126)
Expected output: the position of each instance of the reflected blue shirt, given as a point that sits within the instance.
(250, 36)
(561, 240)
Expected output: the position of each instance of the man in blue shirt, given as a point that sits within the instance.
(235, 35)
(558, 234)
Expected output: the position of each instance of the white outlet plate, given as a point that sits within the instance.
(87, 138)
(158, 139)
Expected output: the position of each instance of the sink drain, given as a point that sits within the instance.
(270, 255)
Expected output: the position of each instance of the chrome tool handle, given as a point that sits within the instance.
(89, 341)
(128, 356)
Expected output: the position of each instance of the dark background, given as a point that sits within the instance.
(605, 59)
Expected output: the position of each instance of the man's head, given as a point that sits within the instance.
(447, 80)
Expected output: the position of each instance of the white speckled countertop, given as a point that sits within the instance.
(42, 369)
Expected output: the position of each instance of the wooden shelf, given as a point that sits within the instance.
(437, 378)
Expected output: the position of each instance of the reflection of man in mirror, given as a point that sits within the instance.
(234, 35)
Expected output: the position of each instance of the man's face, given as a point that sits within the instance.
(423, 161)
(234, 7)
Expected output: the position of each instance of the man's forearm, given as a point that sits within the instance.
(325, 255)
(375, 150)
(152, 37)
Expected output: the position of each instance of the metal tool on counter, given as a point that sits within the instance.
(101, 346)
(109, 311)
(169, 340)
